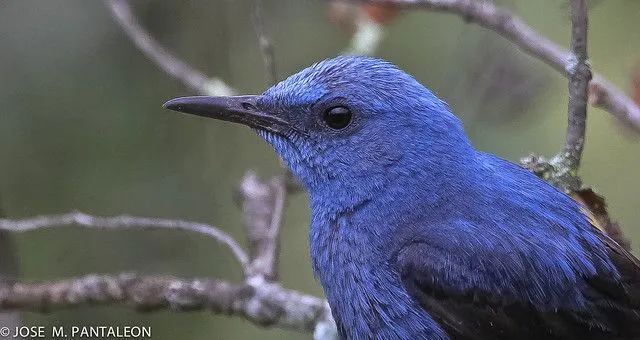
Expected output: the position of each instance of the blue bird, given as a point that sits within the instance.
(417, 235)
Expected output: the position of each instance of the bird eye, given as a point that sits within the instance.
(337, 117)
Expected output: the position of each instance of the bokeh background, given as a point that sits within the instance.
(82, 128)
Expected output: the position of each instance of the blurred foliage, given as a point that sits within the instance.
(81, 127)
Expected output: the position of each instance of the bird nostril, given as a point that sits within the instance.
(248, 106)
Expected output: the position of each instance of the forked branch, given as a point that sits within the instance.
(484, 13)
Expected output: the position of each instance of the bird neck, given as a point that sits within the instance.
(358, 223)
(365, 293)
(362, 217)
(424, 174)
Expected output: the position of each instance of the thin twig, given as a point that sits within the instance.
(124, 222)
(172, 65)
(261, 302)
(484, 13)
(264, 43)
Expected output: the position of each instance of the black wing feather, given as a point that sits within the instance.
(614, 312)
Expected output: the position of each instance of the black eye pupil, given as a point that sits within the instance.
(337, 117)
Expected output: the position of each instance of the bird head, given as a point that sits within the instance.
(345, 120)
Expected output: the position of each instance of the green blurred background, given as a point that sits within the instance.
(81, 127)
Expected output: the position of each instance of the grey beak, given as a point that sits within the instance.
(237, 109)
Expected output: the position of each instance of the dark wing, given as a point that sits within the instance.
(613, 313)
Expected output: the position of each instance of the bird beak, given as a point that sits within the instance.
(237, 109)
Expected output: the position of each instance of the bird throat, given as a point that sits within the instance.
(366, 295)
(355, 227)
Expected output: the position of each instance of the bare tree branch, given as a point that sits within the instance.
(261, 302)
(567, 162)
(579, 77)
(262, 206)
(484, 13)
(124, 222)
(173, 66)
